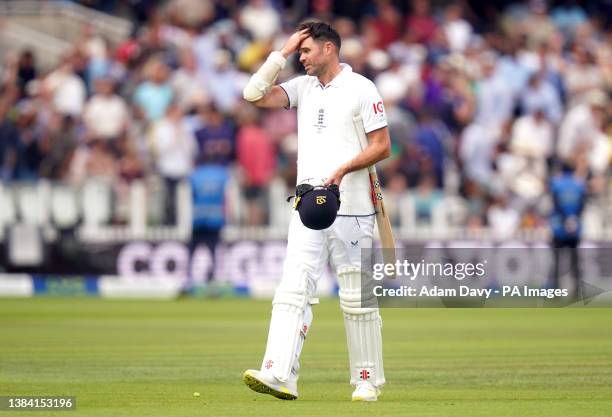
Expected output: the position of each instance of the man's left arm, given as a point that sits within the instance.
(379, 148)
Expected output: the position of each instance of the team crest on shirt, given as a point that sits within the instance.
(320, 123)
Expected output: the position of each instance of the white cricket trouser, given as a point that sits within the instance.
(308, 253)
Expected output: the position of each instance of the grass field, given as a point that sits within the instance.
(147, 358)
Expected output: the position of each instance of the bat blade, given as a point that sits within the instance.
(382, 220)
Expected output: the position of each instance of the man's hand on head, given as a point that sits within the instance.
(294, 42)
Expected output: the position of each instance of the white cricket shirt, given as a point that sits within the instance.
(326, 134)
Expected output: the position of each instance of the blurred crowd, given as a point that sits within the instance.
(484, 101)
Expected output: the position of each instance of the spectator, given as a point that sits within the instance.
(458, 101)
(191, 14)
(59, 147)
(529, 181)
(456, 29)
(581, 128)
(495, 103)
(433, 94)
(26, 70)
(29, 151)
(426, 198)
(420, 22)
(106, 114)
(409, 169)
(153, 96)
(525, 171)
(101, 163)
(408, 52)
(393, 83)
(567, 16)
(401, 127)
(532, 135)
(511, 69)
(288, 160)
(569, 194)
(188, 84)
(67, 89)
(216, 139)
(8, 143)
(175, 152)
(127, 52)
(93, 161)
(538, 26)
(154, 44)
(541, 94)
(96, 51)
(437, 48)
(387, 24)
(323, 9)
(503, 219)
(476, 205)
(208, 185)
(430, 136)
(477, 149)
(257, 158)
(131, 165)
(260, 19)
(582, 75)
(551, 65)
(226, 82)
(279, 124)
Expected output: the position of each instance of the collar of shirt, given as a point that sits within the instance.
(338, 79)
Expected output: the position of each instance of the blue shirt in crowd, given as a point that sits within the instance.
(569, 195)
(208, 187)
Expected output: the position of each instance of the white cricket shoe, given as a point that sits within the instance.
(365, 391)
(266, 383)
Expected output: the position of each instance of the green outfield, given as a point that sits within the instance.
(147, 358)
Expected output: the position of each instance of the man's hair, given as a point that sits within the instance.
(320, 31)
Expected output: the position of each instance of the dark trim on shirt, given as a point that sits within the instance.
(355, 215)
(288, 99)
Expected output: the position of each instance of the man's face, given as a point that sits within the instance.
(313, 56)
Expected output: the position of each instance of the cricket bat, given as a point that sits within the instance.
(382, 220)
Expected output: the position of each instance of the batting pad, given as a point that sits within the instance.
(306, 322)
(285, 334)
(363, 330)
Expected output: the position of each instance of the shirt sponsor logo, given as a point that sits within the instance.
(378, 107)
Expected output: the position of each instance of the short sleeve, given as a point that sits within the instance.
(372, 109)
(291, 89)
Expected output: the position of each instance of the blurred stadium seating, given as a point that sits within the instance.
(110, 108)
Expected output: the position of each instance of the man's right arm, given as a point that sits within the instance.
(260, 90)
(276, 98)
